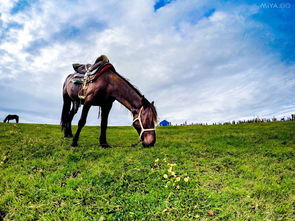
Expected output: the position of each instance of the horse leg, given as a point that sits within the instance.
(16, 120)
(81, 124)
(105, 110)
(72, 113)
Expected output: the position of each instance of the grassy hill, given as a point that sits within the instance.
(241, 172)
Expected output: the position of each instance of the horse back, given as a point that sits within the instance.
(70, 89)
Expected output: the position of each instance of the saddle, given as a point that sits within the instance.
(81, 68)
(87, 73)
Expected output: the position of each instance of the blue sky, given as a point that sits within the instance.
(201, 61)
(21, 5)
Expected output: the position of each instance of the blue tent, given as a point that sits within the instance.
(164, 123)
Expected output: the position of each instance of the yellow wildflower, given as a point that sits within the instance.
(156, 160)
(165, 176)
(186, 179)
(171, 164)
(177, 179)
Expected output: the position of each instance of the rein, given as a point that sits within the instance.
(141, 126)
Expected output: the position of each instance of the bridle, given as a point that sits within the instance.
(140, 123)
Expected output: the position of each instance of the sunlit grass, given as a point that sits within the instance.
(243, 172)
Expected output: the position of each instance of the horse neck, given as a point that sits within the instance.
(125, 94)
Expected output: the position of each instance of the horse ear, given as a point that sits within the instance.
(152, 103)
(145, 102)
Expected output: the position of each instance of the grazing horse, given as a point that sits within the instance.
(11, 117)
(107, 87)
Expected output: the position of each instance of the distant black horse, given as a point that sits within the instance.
(11, 117)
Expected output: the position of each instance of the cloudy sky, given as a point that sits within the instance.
(199, 60)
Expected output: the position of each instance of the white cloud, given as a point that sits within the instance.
(196, 68)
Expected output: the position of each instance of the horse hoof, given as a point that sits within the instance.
(74, 144)
(105, 146)
(147, 146)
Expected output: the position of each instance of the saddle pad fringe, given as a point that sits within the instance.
(77, 81)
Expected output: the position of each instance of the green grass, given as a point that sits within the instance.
(227, 172)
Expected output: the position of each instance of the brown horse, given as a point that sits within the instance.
(11, 117)
(103, 91)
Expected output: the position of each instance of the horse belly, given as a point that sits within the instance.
(73, 90)
(101, 99)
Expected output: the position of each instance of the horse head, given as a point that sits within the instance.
(145, 123)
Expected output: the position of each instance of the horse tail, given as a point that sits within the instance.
(66, 107)
(65, 111)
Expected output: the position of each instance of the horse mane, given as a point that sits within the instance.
(153, 112)
(131, 85)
